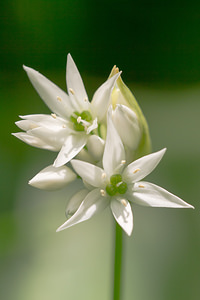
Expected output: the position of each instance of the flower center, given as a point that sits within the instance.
(81, 120)
(116, 185)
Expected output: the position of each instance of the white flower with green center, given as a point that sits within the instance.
(117, 185)
(73, 117)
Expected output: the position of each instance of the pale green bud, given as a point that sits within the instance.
(136, 122)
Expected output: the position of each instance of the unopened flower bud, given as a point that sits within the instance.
(123, 96)
(95, 146)
(127, 125)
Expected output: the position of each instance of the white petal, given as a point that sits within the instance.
(95, 146)
(143, 166)
(114, 153)
(92, 204)
(148, 194)
(26, 125)
(49, 92)
(75, 84)
(71, 147)
(122, 212)
(127, 125)
(50, 137)
(102, 98)
(52, 178)
(34, 141)
(49, 121)
(75, 202)
(90, 173)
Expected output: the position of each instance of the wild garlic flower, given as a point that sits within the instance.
(117, 185)
(73, 117)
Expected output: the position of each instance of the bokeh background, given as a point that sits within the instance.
(157, 45)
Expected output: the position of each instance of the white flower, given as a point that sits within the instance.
(116, 185)
(68, 128)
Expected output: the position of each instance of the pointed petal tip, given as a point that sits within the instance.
(31, 183)
(130, 232)
(30, 71)
(26, 68)
(189, 206)
(59, 229)
(69, 55)
(162, 151)
(69, 58)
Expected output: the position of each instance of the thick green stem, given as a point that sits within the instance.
(117, 263)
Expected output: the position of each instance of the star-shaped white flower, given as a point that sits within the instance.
(73, 117)
(117, 185)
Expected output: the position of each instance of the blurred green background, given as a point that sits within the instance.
(157, 46)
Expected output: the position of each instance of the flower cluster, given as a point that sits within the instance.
(103, 142)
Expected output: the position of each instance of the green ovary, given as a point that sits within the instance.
(116, 185)
(85, 116)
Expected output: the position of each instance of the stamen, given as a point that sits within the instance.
(71, 91)
(137, 170)
(64, 126)
(123, 162)
(59, 99)
(119, 183)
(54, 116)
(141, 185)
(85, 99)
(78, 119)
(85, 128)
(103, 193)
(103, 175)
(124, 202)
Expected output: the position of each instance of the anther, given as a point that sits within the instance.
(59, 99)
(124, 202)
(71, 91)
(103, 175)
(78, 119)
(103, 193)
(85, 99)
(141, 185)
(64, 126)
(137, 170)
(54, 116)
(123, 161)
